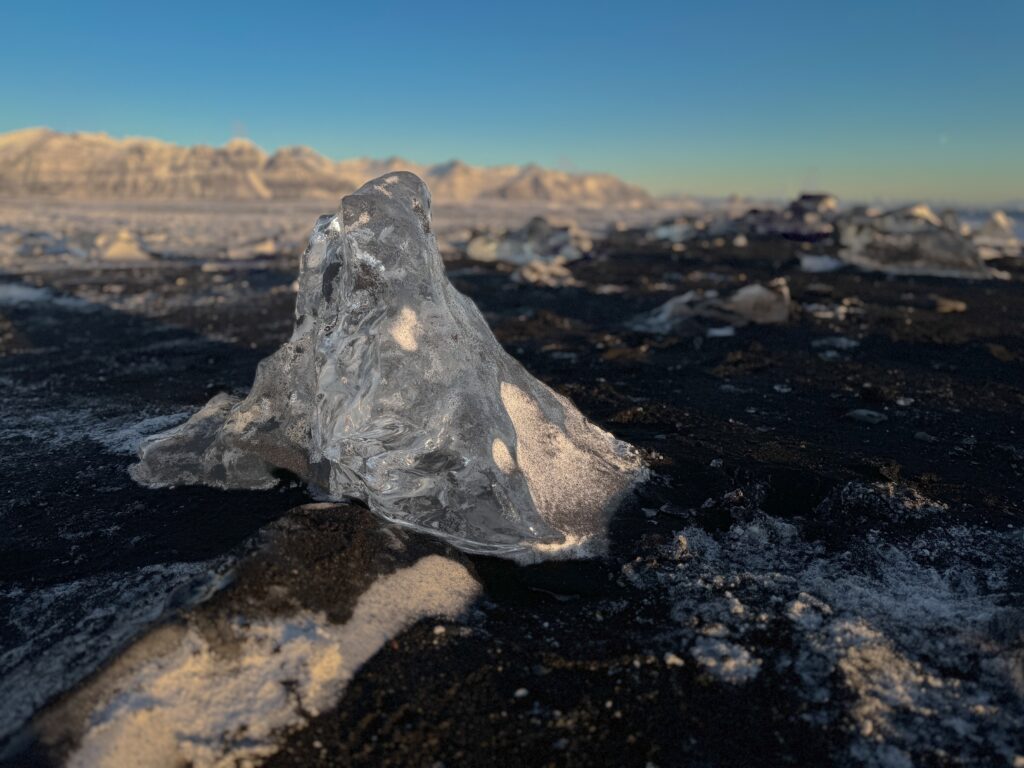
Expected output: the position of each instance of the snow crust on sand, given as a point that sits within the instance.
(212, 701)
(897, 625)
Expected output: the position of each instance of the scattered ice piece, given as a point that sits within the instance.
(820, 264)
(808, 218)
(910, 241)
(43, 247)
(754, 303)
(836, 342)
(840, 311)
(904, 402)
(14, 294)
(867, 416)
(539, 239)
(123, 245)
(392, 389)
(762, 304)
(997, 237)
(677, 231)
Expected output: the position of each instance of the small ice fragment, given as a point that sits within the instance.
(835, 342)
(867, 416)
(123, 245)
(816, 265)
(997, 238)
(766, 304)
(538, 240)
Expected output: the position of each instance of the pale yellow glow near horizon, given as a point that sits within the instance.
(982, 187)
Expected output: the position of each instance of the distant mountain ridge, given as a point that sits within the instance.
(43, 162)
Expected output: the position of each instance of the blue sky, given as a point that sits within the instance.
(873, 99)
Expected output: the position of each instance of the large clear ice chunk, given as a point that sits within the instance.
(393, 390)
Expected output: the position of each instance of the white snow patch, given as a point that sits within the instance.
(201, 706)
(817, 265)
(727, 661)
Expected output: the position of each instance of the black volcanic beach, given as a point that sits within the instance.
(823, 567)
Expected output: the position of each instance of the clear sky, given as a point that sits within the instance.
(871, 99)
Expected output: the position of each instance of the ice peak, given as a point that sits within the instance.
(393, 390)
